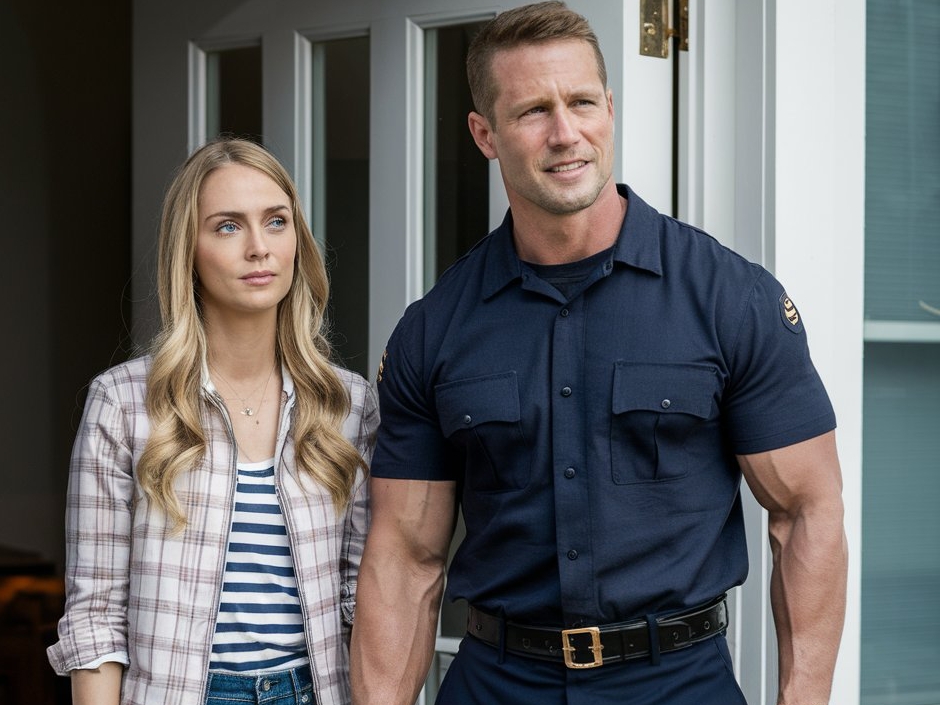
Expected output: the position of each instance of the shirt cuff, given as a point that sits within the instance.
(117, 656)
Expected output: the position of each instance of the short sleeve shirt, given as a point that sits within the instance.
(592, 436)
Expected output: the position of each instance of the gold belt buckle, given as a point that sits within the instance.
(596, 647)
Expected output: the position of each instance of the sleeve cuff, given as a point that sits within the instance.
(118, 657)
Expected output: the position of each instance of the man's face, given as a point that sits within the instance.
(553, 126)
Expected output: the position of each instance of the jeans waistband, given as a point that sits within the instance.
(295, 685)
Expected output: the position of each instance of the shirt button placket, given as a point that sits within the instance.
(572, 499)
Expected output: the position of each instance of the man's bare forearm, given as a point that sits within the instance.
(401, 580)
(395, 630)
(808, 591)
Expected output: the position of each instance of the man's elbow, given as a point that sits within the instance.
(816, 525)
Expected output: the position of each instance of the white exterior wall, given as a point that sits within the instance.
(818, 232)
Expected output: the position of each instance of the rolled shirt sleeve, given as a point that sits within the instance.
(365, 408)
(98, 519)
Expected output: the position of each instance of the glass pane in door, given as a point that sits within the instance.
(902, 245)
(900, 653)
(233, 93)
(456, 215)
(900, 659)
(456, 173)
(340, 210)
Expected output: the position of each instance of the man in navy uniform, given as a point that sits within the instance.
(590, 382)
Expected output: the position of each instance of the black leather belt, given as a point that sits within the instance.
(590, 647)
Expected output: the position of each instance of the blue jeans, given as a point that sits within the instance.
(292, 687)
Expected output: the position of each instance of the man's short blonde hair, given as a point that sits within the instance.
(529, 24)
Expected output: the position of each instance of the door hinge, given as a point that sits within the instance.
(655, 31)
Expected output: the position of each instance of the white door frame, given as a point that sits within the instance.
(818, 218)
(749, 141)
(773, 166)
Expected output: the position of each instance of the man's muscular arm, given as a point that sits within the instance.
(801, 488)
(401, 581)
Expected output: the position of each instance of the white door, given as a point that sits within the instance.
(356, 97)
(282, 51)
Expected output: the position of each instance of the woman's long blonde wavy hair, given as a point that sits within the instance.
(177, 441)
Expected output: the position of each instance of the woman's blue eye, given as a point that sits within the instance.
(278, 222)
(227, 228)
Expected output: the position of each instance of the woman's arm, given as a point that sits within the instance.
(97, 686)
(357, 513)
(98, 524)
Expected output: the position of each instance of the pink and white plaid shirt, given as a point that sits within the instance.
(133, 587)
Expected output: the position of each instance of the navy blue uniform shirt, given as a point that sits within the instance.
(592, 438)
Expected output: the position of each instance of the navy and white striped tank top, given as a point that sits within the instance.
(260, 625)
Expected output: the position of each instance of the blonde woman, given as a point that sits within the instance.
(217, 503)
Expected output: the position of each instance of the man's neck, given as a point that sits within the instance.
(545, 238)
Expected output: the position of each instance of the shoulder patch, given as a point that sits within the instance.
(378, 376)
(789, 315)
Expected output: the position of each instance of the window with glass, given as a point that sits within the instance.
(456, 216)
(456, 190)
(900, 653)
(339, 213)
(233, 93)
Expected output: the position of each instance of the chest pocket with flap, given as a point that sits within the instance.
(656, 408)
(481, 415)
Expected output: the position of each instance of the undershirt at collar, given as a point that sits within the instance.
(567, 276)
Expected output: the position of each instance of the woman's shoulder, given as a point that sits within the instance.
(361, 393)
(128, 378)
(355, 383)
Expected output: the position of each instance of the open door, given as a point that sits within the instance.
(358, 100)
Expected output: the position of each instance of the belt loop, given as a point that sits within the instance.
(295, 683)
(502, 637)
(653, 629)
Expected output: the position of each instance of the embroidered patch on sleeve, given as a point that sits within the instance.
(378, 377)
(789, 315)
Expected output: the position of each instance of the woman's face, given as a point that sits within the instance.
(245, 243)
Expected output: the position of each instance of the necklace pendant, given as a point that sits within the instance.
(248, 411)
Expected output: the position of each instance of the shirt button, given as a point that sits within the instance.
(572, 555)
(564, 313)
(266, 685)
(566, 391)
(467, 419)
(569, 473)
(665, 403)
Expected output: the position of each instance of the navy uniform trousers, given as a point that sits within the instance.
(698, 675)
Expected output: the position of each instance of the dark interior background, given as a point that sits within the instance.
(65, 165)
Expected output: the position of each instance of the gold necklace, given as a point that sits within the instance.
(247, 409)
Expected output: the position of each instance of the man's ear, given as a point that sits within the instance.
(482, 134)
